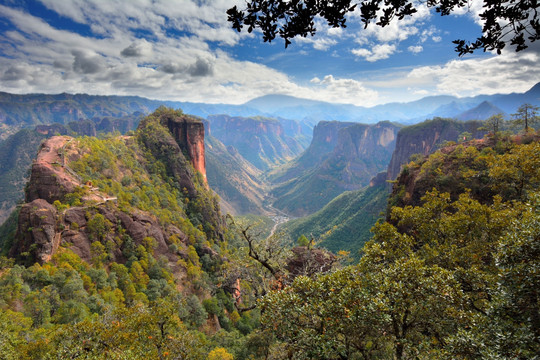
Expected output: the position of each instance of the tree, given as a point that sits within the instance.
(493, 124)
(526, 115)
(219, 354)
(514, 22)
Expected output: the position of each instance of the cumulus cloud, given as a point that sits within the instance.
(377, 52)
(342, 91)
(87, 63)
(415, 49)
(318, 43)
(201, 67)
(137, 49)
(509, 72)
(14, 73)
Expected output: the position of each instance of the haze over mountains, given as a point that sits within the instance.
(33, 109)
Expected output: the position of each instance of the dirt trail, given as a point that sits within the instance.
(277, 216)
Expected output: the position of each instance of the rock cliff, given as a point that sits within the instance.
(262, 141)
(111, 191)
(358, 152)
(188, 132)
(49, 179)
(424, 138)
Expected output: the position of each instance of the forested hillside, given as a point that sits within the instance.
(451, 274)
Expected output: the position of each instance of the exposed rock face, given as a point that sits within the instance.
(37, 231)
(325, 137)
(40, 224)
(262, 141)
(189, 134)
(49, 179)
(359, 152)
(424, 138)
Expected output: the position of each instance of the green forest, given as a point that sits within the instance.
(452, 270)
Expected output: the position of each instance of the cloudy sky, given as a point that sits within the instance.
(185, 50)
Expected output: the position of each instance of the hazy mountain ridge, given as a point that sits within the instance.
(32, 109)
(406, 112)
(260, 140)
(356, 153)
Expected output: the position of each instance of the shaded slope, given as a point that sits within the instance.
(360, 152)
(234, 179)
(345, 222)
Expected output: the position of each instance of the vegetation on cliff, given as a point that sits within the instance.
(137, 270)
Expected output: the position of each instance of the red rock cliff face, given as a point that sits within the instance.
(189, 134)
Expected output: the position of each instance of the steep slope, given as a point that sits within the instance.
(345, 222)
(424, 138)
(325, 135)
(360, 152)
(86, 189)
(234, 179)
(262, 141)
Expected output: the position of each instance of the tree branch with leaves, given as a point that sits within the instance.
(505, 22)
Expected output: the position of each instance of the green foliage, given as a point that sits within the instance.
(98, 227)
(455, 276)
(7, 232)
(526, 116)
(302, 240)
(343, 224)
(494, 124)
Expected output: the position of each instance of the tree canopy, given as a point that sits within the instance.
(505, 22)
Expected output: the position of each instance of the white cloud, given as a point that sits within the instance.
(318, 43)
(377, 52)
(341, 91)
(506, 73)
(415, 49)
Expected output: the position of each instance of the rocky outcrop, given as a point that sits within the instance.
(49, 178)
(37, 235)
(424, 138)
(42, 229)
(188, 132)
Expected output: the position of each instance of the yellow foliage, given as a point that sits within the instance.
(219, 354)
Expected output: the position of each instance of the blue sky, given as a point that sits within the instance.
(185, 50)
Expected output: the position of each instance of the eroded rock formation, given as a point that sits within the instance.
(188, 132)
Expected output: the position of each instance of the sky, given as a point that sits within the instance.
(185, 50)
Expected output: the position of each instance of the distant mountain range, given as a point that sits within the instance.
(18, 111)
